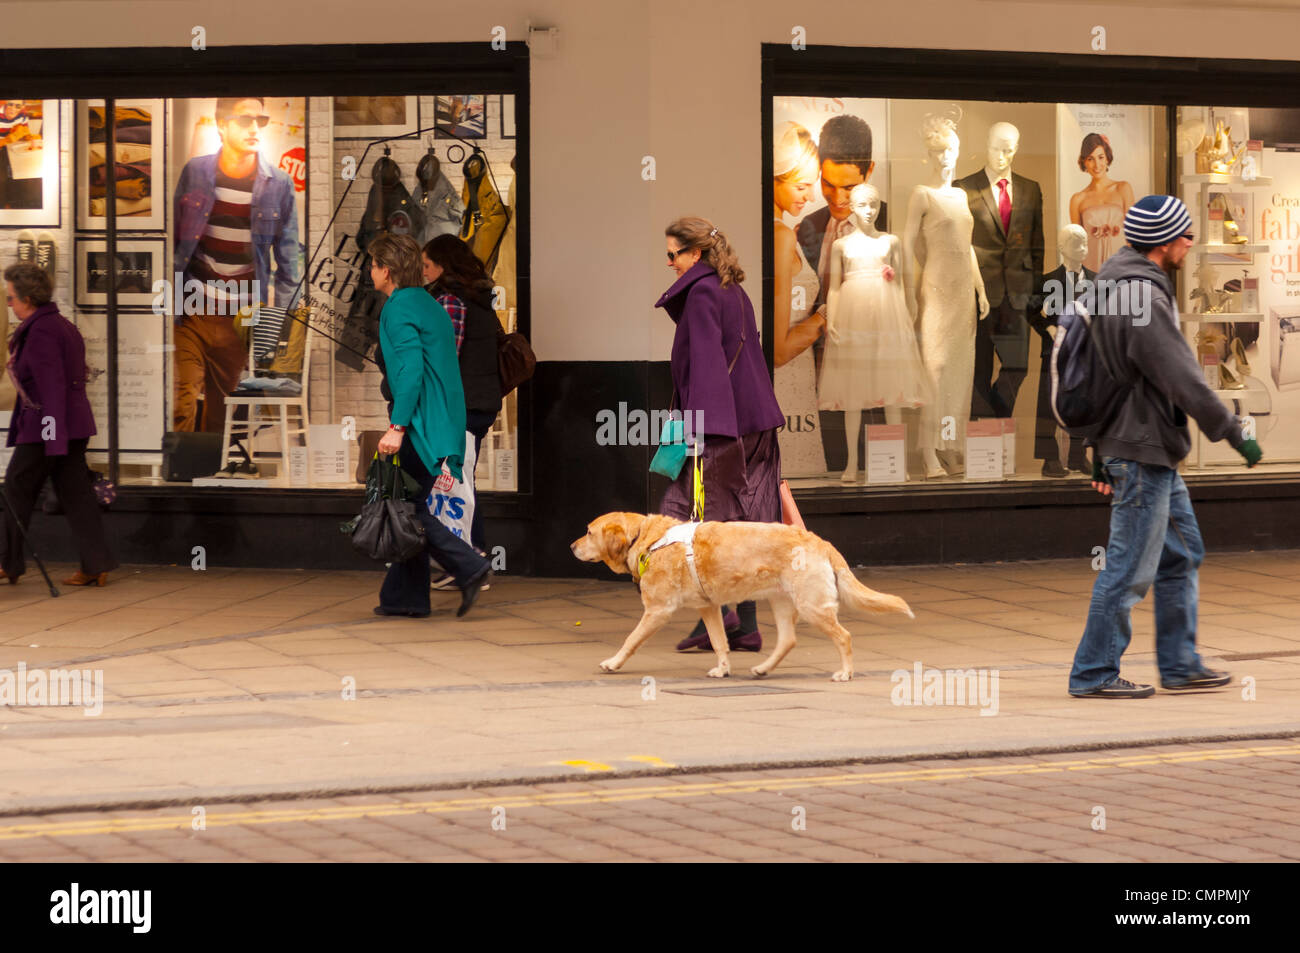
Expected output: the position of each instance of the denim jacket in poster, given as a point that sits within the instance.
(273, 220)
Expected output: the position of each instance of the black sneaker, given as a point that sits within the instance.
(1118, 688)
(469, 592)
(1205, 678)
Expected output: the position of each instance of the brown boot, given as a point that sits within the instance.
(81, 579)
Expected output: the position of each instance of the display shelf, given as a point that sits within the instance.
(1222, 317)
(1251, 248)
(1205, 178)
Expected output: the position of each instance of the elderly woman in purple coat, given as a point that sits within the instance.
(50, 427)
(722, 385)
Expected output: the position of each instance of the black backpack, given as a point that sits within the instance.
(1086, 394)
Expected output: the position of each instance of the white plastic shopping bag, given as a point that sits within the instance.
(452, 500)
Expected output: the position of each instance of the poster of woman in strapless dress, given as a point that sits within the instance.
(1100, 206)
(1094, 140)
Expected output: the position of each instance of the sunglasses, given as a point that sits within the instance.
(244, 122)
(672, 255)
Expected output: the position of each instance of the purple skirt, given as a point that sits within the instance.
(742, 480)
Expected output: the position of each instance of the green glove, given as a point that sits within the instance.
(1250, 449)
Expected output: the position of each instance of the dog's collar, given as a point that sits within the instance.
(683, 533)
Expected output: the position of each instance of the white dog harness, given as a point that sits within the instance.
(683, 533)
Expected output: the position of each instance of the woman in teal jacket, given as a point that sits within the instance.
(426, 412)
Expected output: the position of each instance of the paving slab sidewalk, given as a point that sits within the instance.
(231, 684)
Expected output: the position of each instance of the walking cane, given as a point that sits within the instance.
(4, 497)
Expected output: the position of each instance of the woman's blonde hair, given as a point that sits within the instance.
(400, 255)
(794, 150)
(715, 250)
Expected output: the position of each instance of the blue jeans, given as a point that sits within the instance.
(1153, 538)
(406, 584)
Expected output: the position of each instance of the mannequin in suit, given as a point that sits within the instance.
(1008, 239)
(1069, 281)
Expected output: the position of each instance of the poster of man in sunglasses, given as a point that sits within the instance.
(236, 235)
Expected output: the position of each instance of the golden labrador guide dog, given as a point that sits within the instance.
(707, 565)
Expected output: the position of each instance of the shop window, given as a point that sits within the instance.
(911, 330)
(885, 369)
(241, 276)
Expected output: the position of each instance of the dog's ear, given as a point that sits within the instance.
(633, 525)
(613, 541)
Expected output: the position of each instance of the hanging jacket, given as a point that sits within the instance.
(437, 201)
(485, 217)
(388, 208)
(506, 273)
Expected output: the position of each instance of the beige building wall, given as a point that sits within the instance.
(678, 80)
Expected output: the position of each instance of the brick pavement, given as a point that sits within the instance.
(1032, 809)
(231, 684)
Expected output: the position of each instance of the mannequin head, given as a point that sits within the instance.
(795, 167)
(1207, 276)
(1072, 243)
(940, 135)
(864, 200)
(844, 149)
(1004, 140)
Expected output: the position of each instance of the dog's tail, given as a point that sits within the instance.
(863, 597)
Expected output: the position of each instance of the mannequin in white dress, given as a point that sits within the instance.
(871, 357)
(945, 293)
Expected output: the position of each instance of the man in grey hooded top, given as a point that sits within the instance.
(1153, 533)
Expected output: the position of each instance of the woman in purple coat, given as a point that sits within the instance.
(50, 427)
(722, 384)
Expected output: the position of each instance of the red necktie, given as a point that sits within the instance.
(1004, 205)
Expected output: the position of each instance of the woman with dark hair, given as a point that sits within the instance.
(461, 285)
(50, 427)
(426, 407)
(1100, 206)
(724, 391)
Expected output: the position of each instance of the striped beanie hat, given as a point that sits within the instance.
(1156, 220)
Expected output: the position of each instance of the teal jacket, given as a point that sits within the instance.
(424, 376)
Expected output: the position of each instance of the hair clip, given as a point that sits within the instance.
(714, 232)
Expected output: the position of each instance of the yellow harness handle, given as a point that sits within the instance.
(697, 481)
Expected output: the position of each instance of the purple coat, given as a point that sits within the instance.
(709, 320)
(50, 363)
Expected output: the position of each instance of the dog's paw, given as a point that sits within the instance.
(611, 665)
(720, 671)
(758, 671)
(843, 675)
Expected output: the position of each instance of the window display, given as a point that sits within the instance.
(243, 298)
(1232, 318)
(1005, 212)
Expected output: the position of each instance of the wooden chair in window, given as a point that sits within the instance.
(279, 349)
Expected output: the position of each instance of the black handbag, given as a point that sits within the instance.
(388, 528)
